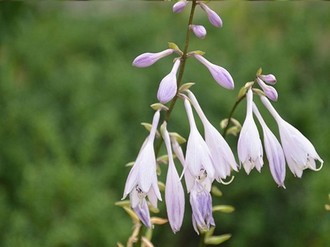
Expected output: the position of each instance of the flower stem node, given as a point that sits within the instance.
(186, 86)
(159, 107)
(174, 47)
(216, 240)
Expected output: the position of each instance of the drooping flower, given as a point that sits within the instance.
(147, 59)
(179, 6)
(220, 75)
(142, 179)
(249, 145)
(198, 30)
(270, 91)
(174, 194)
(201, 205)
(168, 85)
(299, 152)
(198, 156)
(221, 154)
(269, 78)
(273, 150)
(213, 17)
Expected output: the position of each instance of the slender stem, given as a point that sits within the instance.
(181, 71)
(231, 114)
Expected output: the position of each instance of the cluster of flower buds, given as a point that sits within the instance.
(207, 158)
(212, 16)
(296, 149)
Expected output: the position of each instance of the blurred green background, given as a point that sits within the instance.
(71, 104)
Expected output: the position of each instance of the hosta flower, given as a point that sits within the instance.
(213, 17)
(148, 59)
(221, 154)
(249, 145)
(199, 31)
(142, 179)
(299, 152)
(220, 75)
(201, 205)
(174, 194)
(270, 78)
(179, 6)
(168, 86)
(198, 157)
(273, 150)
(270, 91)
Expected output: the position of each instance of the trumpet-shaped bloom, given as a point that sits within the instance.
(198, 157)
(270, 78)
(221, 154)
(273, 150)
(168, 86)
(147, 59)
(179, 6)
(249, 145)
(299, 152)
(142, 179)
(174, 194)
(220, 75)
(213, 17)
(199, 31)
(270, 91)
(201, 205)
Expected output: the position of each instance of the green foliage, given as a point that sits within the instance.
(71, 104)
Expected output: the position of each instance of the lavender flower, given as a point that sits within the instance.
(179, 6)
(148, 59)
(142, 179)
(201, 205)
(249, 144)
(174, 194)
(213, 17)
(221, 154)
(199, 31)
(198, 157)
(168, 85)
(273, 150)
(299, 152)
(270, 78)
(270, 91)
(220, 75)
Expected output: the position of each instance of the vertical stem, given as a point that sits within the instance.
(181, 70)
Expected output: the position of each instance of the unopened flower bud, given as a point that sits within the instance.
(213, 17)
(199, 31)
(220, 75)
(269, 91)
(148, 59)
(179, 6)
(168, 86)
(270, 79)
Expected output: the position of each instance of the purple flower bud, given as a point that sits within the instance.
(199, 31)
(270, 79)
(168, 86)
(270, 91)
(179, 6)
(220, 75)
(148, 59)
(213, 17)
